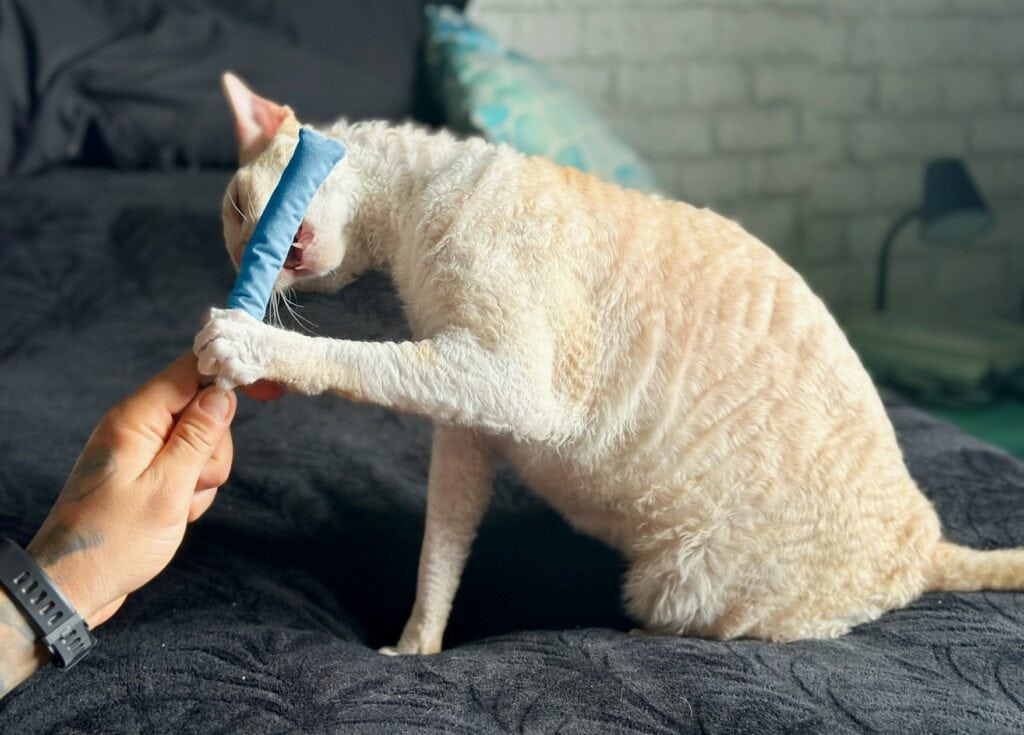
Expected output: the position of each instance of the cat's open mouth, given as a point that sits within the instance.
(295, 260)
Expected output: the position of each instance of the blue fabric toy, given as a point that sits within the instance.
(314, 158)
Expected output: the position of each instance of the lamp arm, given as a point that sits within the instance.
(883, 256)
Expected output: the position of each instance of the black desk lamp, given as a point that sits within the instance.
(951, 210)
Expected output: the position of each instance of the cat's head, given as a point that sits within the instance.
(267, 134)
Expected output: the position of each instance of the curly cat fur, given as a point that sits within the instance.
(653, 371)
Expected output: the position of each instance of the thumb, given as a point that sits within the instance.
(195, 437)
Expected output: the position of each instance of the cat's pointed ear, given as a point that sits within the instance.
(257, 120)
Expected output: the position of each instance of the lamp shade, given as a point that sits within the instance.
(952, 208)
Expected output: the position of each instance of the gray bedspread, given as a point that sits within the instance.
(267, 620)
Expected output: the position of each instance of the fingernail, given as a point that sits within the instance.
(215, 403)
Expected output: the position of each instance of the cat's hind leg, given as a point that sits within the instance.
(461, 475)
(671, 592)
(684, 589)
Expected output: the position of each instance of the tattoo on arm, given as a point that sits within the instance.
(20, 654)
(94, 469)
(63, 541)
(11, 618)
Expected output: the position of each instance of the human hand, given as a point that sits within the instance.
(152, 466)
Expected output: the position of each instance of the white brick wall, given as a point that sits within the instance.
(810, 122)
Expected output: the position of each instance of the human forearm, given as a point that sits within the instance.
(20, 654)
(61, 556)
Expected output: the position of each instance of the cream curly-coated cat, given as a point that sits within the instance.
(653, 371)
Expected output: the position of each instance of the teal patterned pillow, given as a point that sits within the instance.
(486, 88)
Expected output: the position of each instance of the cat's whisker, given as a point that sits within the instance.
(289, 296)
(240, 212)
(252, 210)
(277, 311)
(291, 306)
(302, 321)
(274, 311)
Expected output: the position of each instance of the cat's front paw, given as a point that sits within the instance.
(417, 640)
(410, 649)
(234, 348)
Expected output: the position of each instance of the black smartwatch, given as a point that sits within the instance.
(56, 622)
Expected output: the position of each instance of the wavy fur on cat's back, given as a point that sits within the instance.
(767, 491)
(775, 502)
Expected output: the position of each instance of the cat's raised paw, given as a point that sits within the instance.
(405, 649)
(234, 348)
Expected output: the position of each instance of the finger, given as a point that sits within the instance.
(201, 502)
(215, 472)
(171, 389)
(138, 427)
(150, 410)
(195, 437)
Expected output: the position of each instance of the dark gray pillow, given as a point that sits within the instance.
(135, 83)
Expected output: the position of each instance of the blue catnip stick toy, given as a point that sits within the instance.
(314, 158)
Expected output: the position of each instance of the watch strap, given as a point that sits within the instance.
(57, 623)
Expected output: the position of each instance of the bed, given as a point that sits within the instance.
(269, 617)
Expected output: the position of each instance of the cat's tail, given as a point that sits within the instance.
(961, 569)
